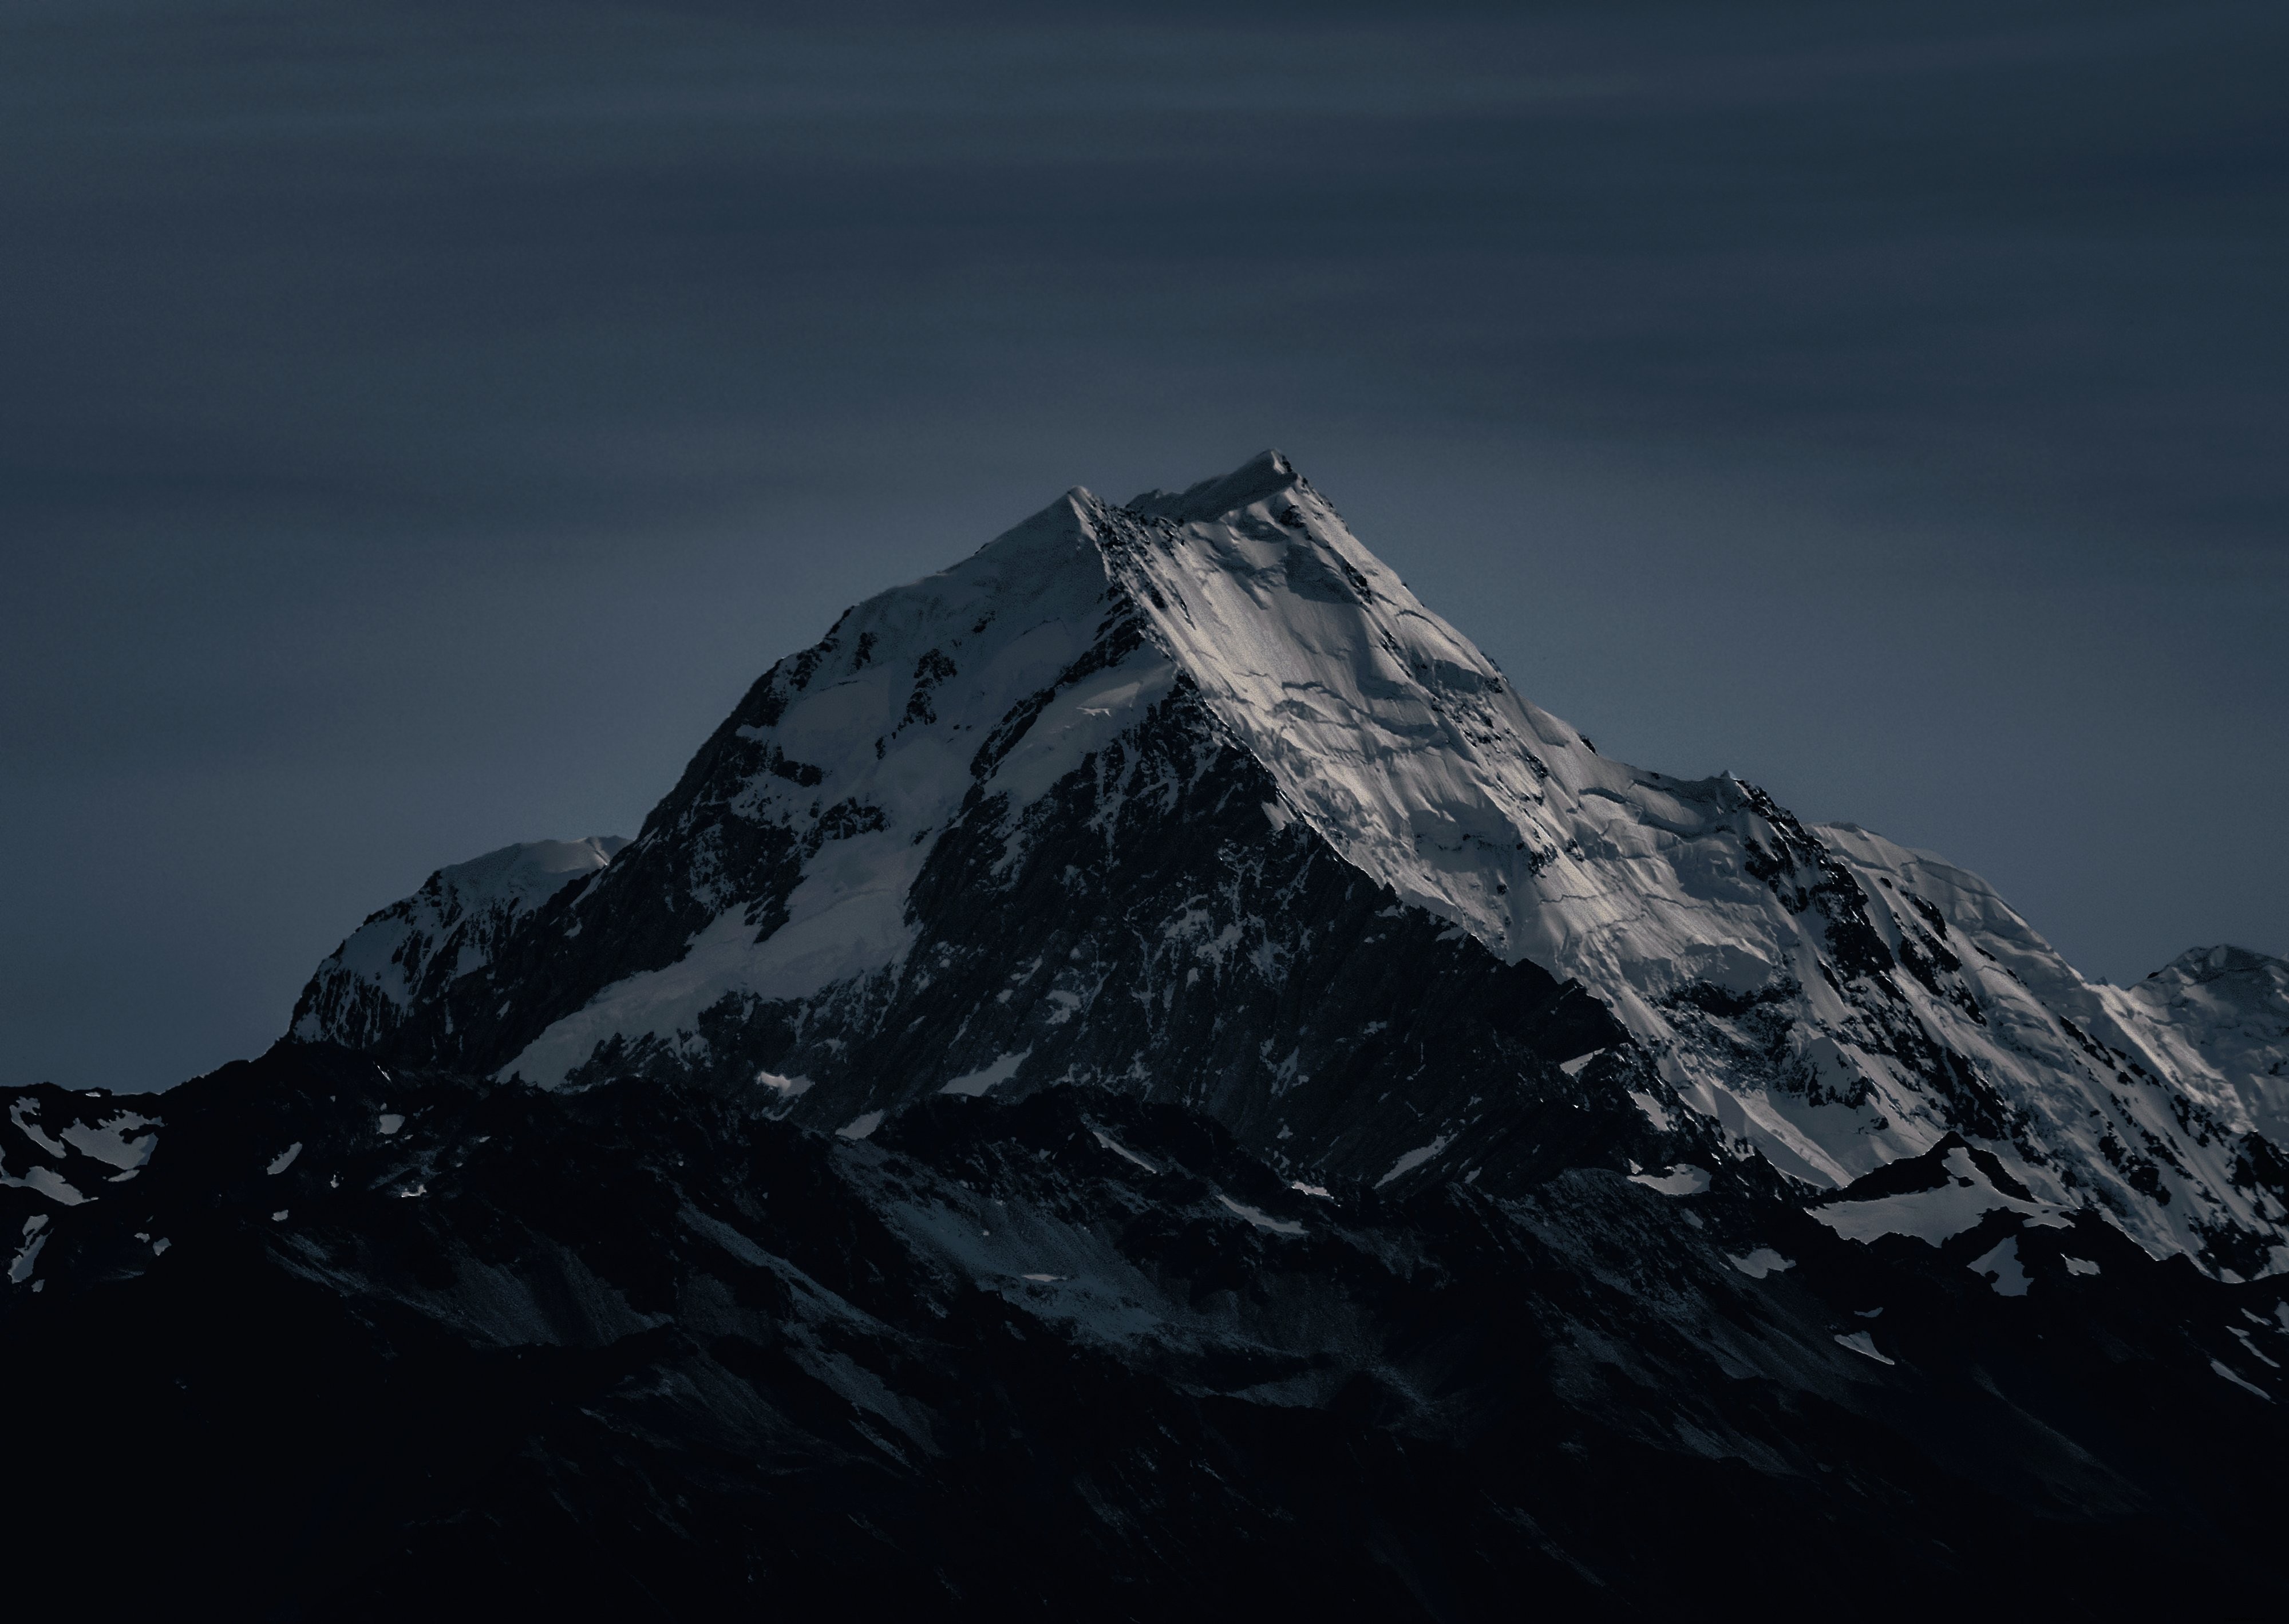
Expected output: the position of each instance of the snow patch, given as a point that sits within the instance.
(860, 1126)
(49, 1182)
(1683, 1179)
(2241, 1381)
(2001, 1267)
(1414, 1159)
(1122, 1151)
(284, 1159)
(1260, 1219)
(108, 1141)
(1864, 1344)
(974, 1083)
(1761, 1263)
(23, 1109)
(36, 1235)
(1934, 1215)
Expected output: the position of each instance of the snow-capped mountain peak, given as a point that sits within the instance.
(1134, 1059)
(1060, 804)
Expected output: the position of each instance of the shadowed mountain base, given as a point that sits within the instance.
(643, 1351)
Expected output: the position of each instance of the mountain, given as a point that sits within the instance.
(1137, 1077)
(1109, 801)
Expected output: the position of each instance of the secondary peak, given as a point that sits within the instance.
(1264, 475)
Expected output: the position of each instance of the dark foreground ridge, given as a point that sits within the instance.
(643, 1351)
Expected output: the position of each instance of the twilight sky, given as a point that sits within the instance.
(419, 423)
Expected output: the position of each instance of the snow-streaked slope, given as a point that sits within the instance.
(917, 702)
(449, 927)
(2165, 1100)
(1807, 988)
(1830, 1000)
(2220, 1011)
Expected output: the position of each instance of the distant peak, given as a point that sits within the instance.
(2201, 963)
(529, 870)
(1263, 475)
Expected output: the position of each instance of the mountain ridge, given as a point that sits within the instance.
(1806, 991)
(1063, 1108)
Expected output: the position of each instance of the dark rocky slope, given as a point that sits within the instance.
(641, 1350)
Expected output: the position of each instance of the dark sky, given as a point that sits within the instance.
(419, 423)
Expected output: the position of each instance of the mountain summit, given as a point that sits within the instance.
(1138, 1078)
(1122, 798)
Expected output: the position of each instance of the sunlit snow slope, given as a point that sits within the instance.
(1125, 796)
(452, 926)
